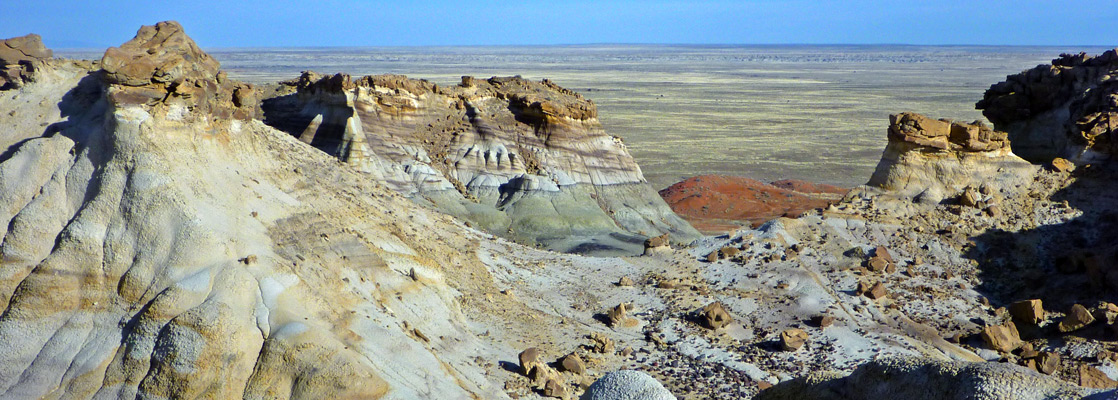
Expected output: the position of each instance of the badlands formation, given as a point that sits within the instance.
(172, 233)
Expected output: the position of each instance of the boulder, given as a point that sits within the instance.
(970, 197)
(1003, 338)
(601, 343)
(1047, 362)
(557, 389)
(529, 359)
(657, 241)
(792, 339)
(1076, 318)
(715, 316)
(573, 363)
(1027, 311)
(1062, 165)
(877, 264)
(822, 321)
(619, 316)
(1091, 377)
(875, 291)
(627, 385)
(542, 374)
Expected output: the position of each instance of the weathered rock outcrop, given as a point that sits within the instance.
(1066, 109)
(522, 159)
(20, 58)
(162, 66)
(931, 160)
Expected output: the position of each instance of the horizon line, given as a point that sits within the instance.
(601, 44)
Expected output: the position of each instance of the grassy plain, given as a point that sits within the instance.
(817, 113)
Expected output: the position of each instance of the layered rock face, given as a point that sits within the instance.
(20, 58)
(522, 159)
(155, 249)
(1066, 109)
(931, 160)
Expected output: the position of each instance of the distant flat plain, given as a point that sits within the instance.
(817, 113)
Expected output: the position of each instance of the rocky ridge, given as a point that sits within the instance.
(525, 160)
(1066, 109)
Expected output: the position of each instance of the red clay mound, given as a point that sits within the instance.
(715, 204)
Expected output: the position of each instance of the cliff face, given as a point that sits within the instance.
(931, 160)
(522, 159)
(1066, 109)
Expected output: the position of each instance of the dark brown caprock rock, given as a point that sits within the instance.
(657, 241)
(1063, 109)
(1078, 317)
(573, 363)
(1092, 377)
(1027, 311)
(162, 65)
(1003, 338)
(529, 358)
(793, 339)
(881, 261)
(715, 316)
(20, 58)
(619, 316)
(1062, 165)
(875, 291)
(555, 388)
(1047, 362)
(822, 321)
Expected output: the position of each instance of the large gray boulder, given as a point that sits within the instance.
(627, 385)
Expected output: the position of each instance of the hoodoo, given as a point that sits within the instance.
(931, 160)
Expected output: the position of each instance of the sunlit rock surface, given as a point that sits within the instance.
(525, 160)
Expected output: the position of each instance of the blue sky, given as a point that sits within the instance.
(255, 23)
